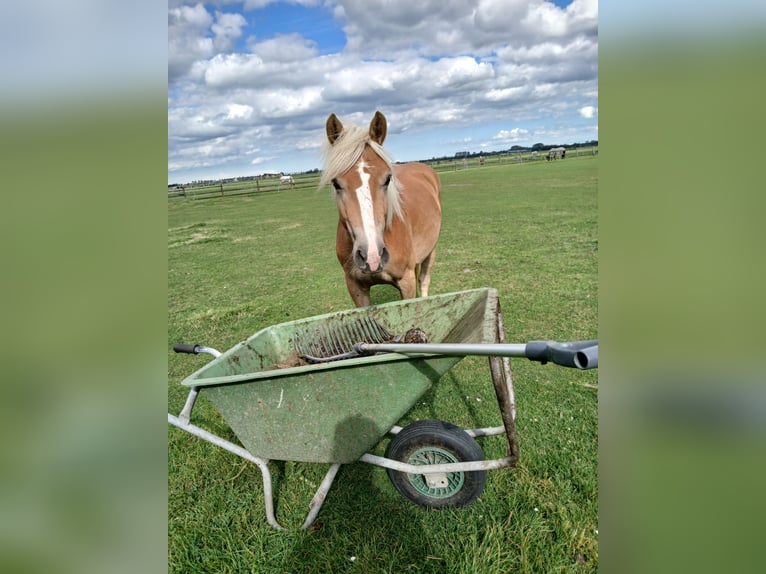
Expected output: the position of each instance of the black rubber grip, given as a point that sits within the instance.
(538, 351)
(577, 354)
(181, 348)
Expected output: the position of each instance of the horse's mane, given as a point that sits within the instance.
(340, 156)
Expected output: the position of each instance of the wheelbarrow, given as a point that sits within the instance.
(327, 389)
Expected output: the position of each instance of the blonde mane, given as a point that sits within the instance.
(346, 151)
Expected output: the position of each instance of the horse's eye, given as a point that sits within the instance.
(336, 185)
(388, 180)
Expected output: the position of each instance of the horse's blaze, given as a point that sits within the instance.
(370, 254)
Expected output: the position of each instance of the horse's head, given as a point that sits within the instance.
(365, 187)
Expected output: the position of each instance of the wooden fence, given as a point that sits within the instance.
(273, 185)
(472, 162)
(247, 187)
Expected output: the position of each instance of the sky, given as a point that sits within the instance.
(251, 83)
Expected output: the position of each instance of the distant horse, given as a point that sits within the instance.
(556, 153)
(389, 215)
(288, 180)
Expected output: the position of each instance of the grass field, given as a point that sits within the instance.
(239, 264)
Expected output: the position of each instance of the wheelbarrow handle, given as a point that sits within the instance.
(578, 354)
(195, 349)
(183, 348)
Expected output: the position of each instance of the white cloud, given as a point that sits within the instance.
(187, 26)
(285, 61)
(285, 48)
(436, 27)
(507, 94)
(232, 69)
(239, 111)
(227, 28)
(381, 27)
(457, 72)
(189, 40)
(588, 112)
(511, 135)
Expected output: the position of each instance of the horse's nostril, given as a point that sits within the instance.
(384, 256)
(360, 258)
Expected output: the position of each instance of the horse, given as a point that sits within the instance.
(556, 153)
(287, 179)
(389, 216)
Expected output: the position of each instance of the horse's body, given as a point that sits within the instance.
(389, 215)
(556, 153)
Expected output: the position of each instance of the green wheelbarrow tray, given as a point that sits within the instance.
(335, 412)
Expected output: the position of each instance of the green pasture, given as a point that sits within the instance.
(239, 264)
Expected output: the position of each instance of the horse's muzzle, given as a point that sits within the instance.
(369, 261)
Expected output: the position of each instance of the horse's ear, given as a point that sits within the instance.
(334, 128)
(378, 128)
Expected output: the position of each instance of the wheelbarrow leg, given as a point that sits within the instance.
(268, 497)
(261, 463)
(185, 414)
(316, 503)
(502, 380)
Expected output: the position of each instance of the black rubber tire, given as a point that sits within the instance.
(432, 442)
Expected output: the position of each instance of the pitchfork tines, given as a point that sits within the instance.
(336, 341)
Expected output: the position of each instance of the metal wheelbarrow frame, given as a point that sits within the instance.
(260, 395)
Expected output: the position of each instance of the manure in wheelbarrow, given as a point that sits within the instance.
(292, 360)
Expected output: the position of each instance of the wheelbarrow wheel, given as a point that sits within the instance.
(436, 442)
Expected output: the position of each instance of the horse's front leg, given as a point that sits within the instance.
(360, 294)
(407, 285)
(424, 277)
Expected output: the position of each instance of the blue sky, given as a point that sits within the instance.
(313, 22)
(251, 83)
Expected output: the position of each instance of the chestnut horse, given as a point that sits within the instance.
(389, 215)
